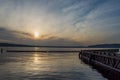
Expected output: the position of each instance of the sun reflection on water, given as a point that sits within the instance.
(33, 63)
(36, 58)
(39, 62)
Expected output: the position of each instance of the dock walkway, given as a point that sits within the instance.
(108, 58)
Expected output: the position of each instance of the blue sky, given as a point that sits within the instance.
(60, 22)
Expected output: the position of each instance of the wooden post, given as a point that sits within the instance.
(1, 50)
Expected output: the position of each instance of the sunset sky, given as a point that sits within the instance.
(60, 22)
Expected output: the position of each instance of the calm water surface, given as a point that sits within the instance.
(45, 66)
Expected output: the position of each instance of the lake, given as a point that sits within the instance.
(45, 66)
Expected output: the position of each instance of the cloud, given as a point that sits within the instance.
(59, 41)
(15, 37)
(83, 21)
(101, 24)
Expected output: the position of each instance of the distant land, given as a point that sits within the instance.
(90, 46)
(105, 46)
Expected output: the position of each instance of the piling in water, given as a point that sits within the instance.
(1, 50)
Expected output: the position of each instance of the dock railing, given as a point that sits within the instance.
(107, 58)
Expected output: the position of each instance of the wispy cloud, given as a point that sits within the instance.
(83, 21)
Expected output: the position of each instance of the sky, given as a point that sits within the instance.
(60, 22)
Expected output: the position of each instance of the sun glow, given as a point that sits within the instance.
(36, 34)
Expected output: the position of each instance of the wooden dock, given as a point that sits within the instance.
(107, 59)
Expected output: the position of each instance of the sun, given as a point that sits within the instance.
(36, 34)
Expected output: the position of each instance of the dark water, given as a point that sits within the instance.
(45, 66)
